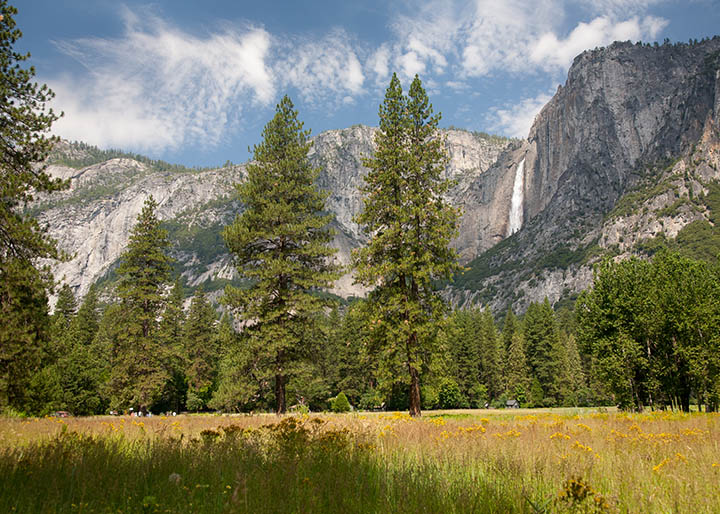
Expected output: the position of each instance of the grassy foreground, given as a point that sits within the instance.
(463, 461)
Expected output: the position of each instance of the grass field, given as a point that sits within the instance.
(455, 461)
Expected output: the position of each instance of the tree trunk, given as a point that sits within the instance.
(414, 392)
(280, 407)
(685, 399)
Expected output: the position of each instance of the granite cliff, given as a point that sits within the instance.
(91, 221)
(622, 160)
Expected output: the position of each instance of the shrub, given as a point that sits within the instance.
(429, 397)
(340, 403)
(450, 397)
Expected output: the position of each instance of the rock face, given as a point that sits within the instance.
(624, 113)
(629, 118)
(92, 220)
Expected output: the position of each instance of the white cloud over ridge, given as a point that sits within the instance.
(158, 87)
(515, 120)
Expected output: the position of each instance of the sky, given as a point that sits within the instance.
(194, 83)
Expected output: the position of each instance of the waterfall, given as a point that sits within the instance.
(516, 204)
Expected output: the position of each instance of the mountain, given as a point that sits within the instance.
(91, 220)
(624, 152)
(623, 160)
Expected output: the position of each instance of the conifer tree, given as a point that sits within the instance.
(281, 244)
(138, 375)
(410, 226)
(66, 305)
(518, 379)
(23, 144)
(464, 352)
(490, 354)
(87, 319)
(171, 333)
(544, 352)
(201, 348)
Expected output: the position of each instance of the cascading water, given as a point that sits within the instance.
(516, 204)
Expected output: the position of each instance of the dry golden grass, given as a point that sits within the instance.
(551, 459)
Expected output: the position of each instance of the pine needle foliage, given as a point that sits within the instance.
(410, 225)
(24, 123)
(281, 244)
(138, 374)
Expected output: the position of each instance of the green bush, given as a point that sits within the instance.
(340, 403)
(428, 397)
(450, 397)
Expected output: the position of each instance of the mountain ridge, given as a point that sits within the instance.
(629, 116)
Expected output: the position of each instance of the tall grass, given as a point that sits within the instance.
(484, 462)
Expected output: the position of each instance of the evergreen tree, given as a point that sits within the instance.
(518, 378)
(201, 348)
(138, 374)
(171, 332)
(81, 370)
(491, 355)
(573, 389)
(243, 383)
(66, 305)
(410, 226)
(87, 320)
(23, 144)
(464, 351)
(544, 352)
(25, 330)
(281, 244)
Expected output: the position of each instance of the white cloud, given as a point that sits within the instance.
(158, 87)
(321, 68)
(515, 120)
(520, 36)
(550, 52)
(379, 63)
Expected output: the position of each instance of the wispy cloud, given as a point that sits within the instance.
(159, 87)
(515, 119)
(550, 53)
(321, 69)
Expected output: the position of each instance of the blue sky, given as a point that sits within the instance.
(195, 82)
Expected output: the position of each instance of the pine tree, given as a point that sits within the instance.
(544, 352)
(242, 383)
(23, 287)
(87, 319)
(23, 144)
(518, 379)
(410, 226)
(138, 374)
(171, 332)
(66, 305)
(201, 348)
(281, 244)
(464, 365)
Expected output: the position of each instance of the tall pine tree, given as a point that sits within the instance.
(24, 123)
(138, 374)
(201, 348)
(281, 244)
(410, 226)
